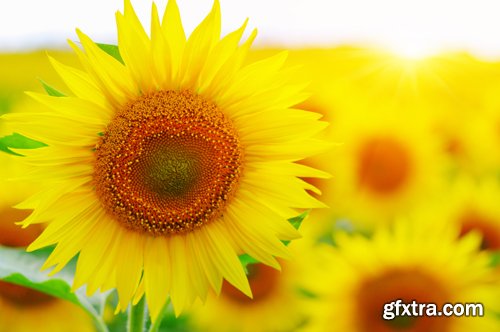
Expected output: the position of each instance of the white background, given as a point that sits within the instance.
(407, 26)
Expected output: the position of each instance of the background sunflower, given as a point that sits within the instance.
(411, 261)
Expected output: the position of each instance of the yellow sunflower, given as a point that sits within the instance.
(409, 262)
(278, 302)
(470, 205)
(23, 309)
(385, 163)
(162, 168)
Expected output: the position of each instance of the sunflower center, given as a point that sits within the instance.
(22, 296)
(167, 163)
(486, 226)
(406, 285)
(263, 282)
(384, 165)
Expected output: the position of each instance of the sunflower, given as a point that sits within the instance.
(471, 205)
(279, 302)
(386, 162)
(410, 262)
(23, 309)
(167, 163)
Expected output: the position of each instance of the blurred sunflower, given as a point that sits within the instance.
(482, 139)
(23, 309)
(469, 134)
(278, 302)
(177, 154)
(409, 262)
(470, 205)
(386, 163)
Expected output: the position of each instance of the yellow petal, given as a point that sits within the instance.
(161, 53)
(218, 57)
(157, 274)
(224, 256)
(199, 44)
(80, 83)
(135, 47)
(174, 36)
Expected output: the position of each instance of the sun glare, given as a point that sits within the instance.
(413, 51)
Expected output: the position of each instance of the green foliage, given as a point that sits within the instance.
(296, 222)
(51, 91)
(17, 141)
(495, 259)
(23, 269)
(246, 259)
(112, 50)
(170, 323)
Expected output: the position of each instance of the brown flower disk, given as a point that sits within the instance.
(384, 165)
(167, 163)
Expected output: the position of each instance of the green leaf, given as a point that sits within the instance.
(23, 269)
(112, 50)
(168, 322)
(246, 259)
(118, 321)
(6, 150)
(495, 259)
(17, 141)
(51, 91)
(296, 222)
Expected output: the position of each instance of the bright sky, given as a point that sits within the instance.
(409, 26)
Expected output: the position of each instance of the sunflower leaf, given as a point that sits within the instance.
(112, 50)
(51, 91)
(495, 259)
(23, 269)
(246, 259)
(7, 150)
(297, 221)
(17, 141)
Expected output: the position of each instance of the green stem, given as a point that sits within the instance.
(156, 325)
(97, 319)
(99, 325)
(136, 317)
